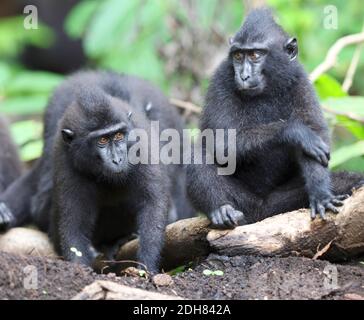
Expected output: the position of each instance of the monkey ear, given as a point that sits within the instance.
(291, 47)
(231, 40)
(67, 135)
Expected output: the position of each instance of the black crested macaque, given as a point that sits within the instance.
(262, 91)
(95, 195)
(10, 166)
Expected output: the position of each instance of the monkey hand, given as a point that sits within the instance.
(319, 205)
(227, 217)
(317, 149)
(6, 217)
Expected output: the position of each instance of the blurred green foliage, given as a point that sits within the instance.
(126, 36)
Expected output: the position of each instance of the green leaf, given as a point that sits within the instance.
(78, 19)
(346, 153)
(351, 106)
(31, 151)
(24, 105)
(177, 270)
(13, 36)
(110, 26)
(5, 74)
(142, 273)
(31, 82)
(207, 272)
(218, 273)
(327, 86)
(25, 131)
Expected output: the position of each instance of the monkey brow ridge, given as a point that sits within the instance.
(108, 130)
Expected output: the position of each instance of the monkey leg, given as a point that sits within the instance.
(288, 197)
(225, 199)
(182, 207)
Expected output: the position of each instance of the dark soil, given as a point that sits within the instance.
(245, 277)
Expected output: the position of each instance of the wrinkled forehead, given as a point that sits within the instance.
(102, 117)
(259, 37)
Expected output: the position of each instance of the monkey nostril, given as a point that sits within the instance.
(244, 78)
(115, 162)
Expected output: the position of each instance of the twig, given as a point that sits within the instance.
(352, 68)
(319, 253)
(189, 106)
(333, 52)
(349, 115)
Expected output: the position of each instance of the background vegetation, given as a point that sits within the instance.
(177, 44)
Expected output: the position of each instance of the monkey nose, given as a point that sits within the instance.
(244, 78)
(116, 161)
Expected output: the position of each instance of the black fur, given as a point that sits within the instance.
(282, 137)
(91, 205)
(10, 166)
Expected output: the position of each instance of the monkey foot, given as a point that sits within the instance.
(331, 203)
(6, 217)
(227, 217)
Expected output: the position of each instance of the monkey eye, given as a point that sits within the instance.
(238, 56)
(119, 136)
(103, 140)
(254, 55)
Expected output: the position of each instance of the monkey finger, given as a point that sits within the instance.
(214, 219)
(337, 203)
(240, 217)
(342, 197)
(6, 216)
(313, 211)
(231, 220)
(321, 210)
(332, 208)
(219, 220)
(323, 158)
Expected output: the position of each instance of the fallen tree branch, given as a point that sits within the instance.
(293, 233)
(108, 290)
(286, 234)
(333, 52)
(185, 241)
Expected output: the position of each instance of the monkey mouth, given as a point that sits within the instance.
(252, 87)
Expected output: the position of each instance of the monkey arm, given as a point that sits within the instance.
(305, 139)
(318, 186)
(75, 213)
(15, 202)
(218, 195)
(152, 216)
(292, 132)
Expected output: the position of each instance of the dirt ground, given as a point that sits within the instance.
(244, 277)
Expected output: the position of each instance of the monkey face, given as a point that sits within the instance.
(262, 55)
(102, 153)
(248, 65)
(111, 152)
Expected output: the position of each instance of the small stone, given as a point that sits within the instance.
(162, 280)
(131, 271)
(111, 275)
